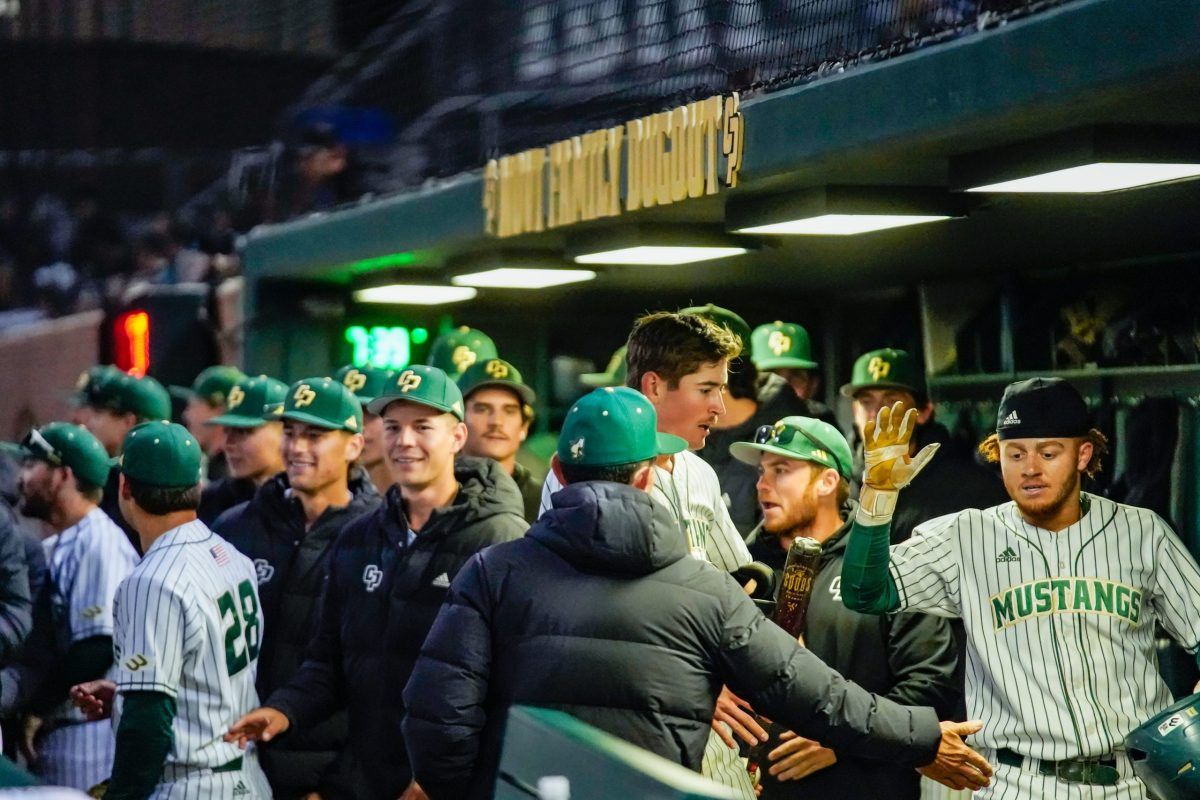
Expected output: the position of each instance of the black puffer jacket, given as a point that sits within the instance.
(222, 495)
(381, 599)
(776, 400)
(292, 564)
(600, 612)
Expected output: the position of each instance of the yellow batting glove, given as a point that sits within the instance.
(889, 468)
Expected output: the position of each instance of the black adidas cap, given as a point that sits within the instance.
(1041, 408)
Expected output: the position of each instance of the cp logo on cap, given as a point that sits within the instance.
(354, 380)
(236, 396)
(463, 357)
(779, 342)
(304, 395)
(497, 369)
(409, 380)
(878, 368)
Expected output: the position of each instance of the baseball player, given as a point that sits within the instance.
(82, 401)
(785, 349)
(253, 446)
(389, 572)
(366, 383)
(1059, 591)
(119, 402)
(188, 628)
(62, 476)
(208, 397)
(456, 351)
(681, 363)
(499, 408)
(804, 466)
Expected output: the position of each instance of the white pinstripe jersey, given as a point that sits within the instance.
(1060, 626)
(691, 493)
(86, 562)
(189, 625)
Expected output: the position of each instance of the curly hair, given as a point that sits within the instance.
(989, 448)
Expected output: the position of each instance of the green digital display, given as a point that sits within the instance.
(389, 347)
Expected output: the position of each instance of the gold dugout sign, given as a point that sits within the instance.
(663, 158)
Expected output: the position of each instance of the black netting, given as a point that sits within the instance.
(464, 80)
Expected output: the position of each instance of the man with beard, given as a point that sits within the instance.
(499, 409)
(88, 556)
(288, 530)
(389, 573)
(253, 446)
(803, 467)
(366, 383)
(1059, 591)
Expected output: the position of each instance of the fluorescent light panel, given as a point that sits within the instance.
(414, 294)
(658, 255)
(1105, 176)
(840, 224)
(522, 278)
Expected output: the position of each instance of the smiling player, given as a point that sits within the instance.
(1059, 591)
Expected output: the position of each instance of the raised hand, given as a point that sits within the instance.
(886, 446)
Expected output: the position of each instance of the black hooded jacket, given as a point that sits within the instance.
(380, 600)
(600, 612)
(291, 564)
(909, 658)
(223, 494)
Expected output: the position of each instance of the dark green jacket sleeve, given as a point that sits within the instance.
(144, 740)
(867, 584)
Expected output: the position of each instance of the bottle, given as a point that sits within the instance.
(799, 572)
(791, 609)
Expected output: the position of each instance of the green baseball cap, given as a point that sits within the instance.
(212, 385)
(495, 372)
(801, 438)
(613, 425)
(366, 382)
(247, 400)
(456, 351)
(885, 369)
(613, 375)
(428, 386)
(729, 320)
(143, 397)
(89, 380)
(160, 454)
(322, 402)
(781, 345)
(62, 444)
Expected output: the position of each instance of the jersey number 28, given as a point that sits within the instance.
(240, 618)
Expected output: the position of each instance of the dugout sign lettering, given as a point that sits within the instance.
(659, 159)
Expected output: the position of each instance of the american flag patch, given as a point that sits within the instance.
(219, 555)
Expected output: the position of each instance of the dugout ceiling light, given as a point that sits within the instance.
(522, 278)
(1094, 159)
(516, 270)
(655, 245)
(414, 294)
(840, 210)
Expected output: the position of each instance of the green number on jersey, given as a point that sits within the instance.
(241, 627)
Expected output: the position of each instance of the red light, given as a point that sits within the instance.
(131, 342)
